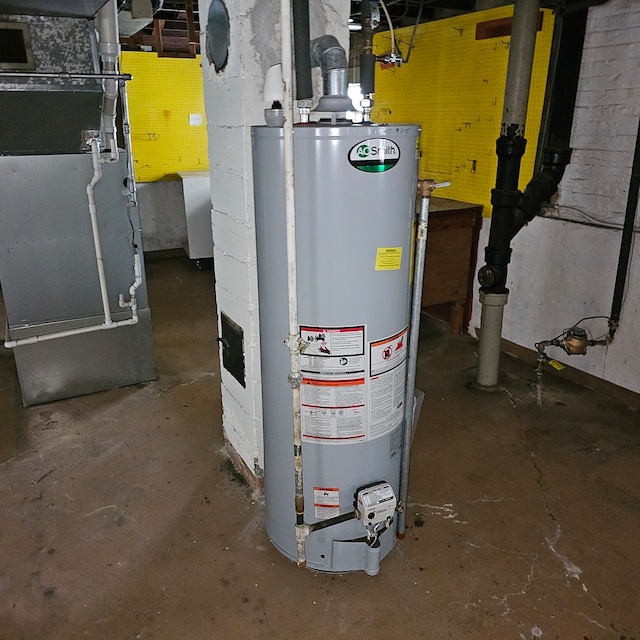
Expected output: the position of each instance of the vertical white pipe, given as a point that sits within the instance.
(490, 338)
(292, 283)
(520, 65)
(93, 211)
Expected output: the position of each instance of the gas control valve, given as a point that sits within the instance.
(376, 505)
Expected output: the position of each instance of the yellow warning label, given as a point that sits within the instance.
(388, 258)
(556, 365)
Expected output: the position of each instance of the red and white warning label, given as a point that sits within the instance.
(349, 394)
(333, 411)
(388, 353)
(326, 502)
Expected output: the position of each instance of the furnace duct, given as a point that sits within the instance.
(109, 47)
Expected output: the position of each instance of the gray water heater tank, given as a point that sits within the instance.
(355, 189)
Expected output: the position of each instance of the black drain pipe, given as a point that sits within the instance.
(505, 197)
(554, 152)
(626, 241)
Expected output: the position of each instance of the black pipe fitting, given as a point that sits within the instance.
(509, 151)
(497, 257)
(489, 276)
(510, 146)
(504, 204)
(541, 187)
(504, 200)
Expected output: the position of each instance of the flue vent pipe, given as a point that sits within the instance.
(109, 47)
(327, 54)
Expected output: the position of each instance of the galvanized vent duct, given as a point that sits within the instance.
(327, 54)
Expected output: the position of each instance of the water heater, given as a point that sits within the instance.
(355, 189)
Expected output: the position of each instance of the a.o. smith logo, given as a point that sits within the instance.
(374, 155)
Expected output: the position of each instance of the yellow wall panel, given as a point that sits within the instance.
(453, 86)
(166, 114)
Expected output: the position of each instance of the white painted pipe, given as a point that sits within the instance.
(11, 344)
(93, 212)
(137, 270)
(293, 341)
(133, 301)
(520, 63)
(490, 336)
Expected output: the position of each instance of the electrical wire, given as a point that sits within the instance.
(393, 37)
(413, 33)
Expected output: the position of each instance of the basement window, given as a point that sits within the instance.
(15, 46)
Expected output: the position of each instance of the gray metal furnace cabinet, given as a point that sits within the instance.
(50, 280)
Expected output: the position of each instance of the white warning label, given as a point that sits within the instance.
(326, 502)
(387, 384)
(333, 411)
(333, 352)
(351, 390)
(388, 353)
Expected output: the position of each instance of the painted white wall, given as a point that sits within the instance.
(233, 101)
(563, 270)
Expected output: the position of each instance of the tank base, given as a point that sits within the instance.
(343, 556)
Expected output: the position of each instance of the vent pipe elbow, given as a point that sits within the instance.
(327, 54)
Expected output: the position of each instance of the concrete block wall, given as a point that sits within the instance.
(563, 267)
(233, 102)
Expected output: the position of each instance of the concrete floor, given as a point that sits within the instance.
(120, 517)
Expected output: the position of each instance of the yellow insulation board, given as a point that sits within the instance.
(166, 115)
(453, 86)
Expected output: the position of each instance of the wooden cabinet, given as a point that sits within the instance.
(452, 247)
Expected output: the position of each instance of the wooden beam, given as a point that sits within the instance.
(158, 25)
(498, 28)
(191, 28)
